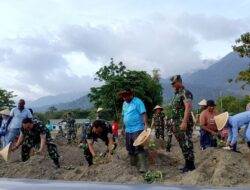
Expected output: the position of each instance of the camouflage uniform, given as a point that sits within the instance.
(158, 120)
(33, 137)
(169, 126)
(71, 129)
(184, 138)
(91, 137)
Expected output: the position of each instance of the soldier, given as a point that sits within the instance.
(183, 121)
(31, 134)
(169, 126)
(71, 128)
(99, 129)
(158, 121)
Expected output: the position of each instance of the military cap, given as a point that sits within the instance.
(175, 78)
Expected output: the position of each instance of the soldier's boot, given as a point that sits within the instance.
(142, 162)
(185, 166)
(189, 166)
(56, 162)
(133, 160)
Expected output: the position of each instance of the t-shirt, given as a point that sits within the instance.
(106, 133)
(18, 117)
(132, 115)
(115, 128)
(34, 135)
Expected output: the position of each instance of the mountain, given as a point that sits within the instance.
(217, 74)
(212, 82)
(57, 99)
(81, 103)
(209, 83)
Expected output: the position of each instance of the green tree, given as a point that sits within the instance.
(6, 99)
(115, 78)
(243, 48)
(232, 104)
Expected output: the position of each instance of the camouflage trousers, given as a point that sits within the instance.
(71, 135)
(185, 141)
(159, 132)
(87, 154)
(26, 149)
(169, 138)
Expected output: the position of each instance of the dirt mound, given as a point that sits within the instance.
(213, 166)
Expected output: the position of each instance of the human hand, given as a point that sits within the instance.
(183, 126)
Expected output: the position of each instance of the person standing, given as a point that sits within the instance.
(183, 121)
(208, 127)
(135, 121)
(17, 115)
(4, 127)
(71, 128)
(158, 120)
(99, 113)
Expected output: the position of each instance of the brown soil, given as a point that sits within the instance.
(214, 167)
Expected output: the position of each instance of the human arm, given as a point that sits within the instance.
(188, 109)
(90, 143)
(42, 143)
(19, 142)
(145, 120)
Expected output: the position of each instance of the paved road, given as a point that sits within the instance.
(28, 184)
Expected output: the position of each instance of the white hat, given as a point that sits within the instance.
(99, 109)
(221, 120)
(158, 107)
(5, 112)
(203, 102)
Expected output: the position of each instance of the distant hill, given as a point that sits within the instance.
(57, 99)
(82, 103)
(212, 82)
(209, 83)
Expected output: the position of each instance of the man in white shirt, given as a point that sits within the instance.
(17, 114)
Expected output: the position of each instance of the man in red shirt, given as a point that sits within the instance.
(115, 127)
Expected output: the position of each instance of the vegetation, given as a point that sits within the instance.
(6, 99)
(115, 78)
(243, 48)
(232, 104)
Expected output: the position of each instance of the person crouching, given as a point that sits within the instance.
(30, 133)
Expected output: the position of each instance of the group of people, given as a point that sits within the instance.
(135, 121)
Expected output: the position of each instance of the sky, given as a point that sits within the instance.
(50, 47)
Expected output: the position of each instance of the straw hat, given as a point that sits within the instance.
(221, 120)
(203, 102)
(99, 109)
(158, 107)
(143, 138)
(5, 112)
(5, 152)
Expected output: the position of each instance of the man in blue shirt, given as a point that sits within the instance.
(17, 115)
(234, 123)
(135, 121)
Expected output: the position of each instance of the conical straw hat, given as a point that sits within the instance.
(158, 107)
(5, 112)
(221, 120)
(203, 102)
(143, 138)
(99, 109)
(5, 152)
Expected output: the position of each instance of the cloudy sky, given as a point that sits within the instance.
(50, 47)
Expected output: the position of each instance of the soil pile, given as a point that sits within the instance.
(214, 167)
